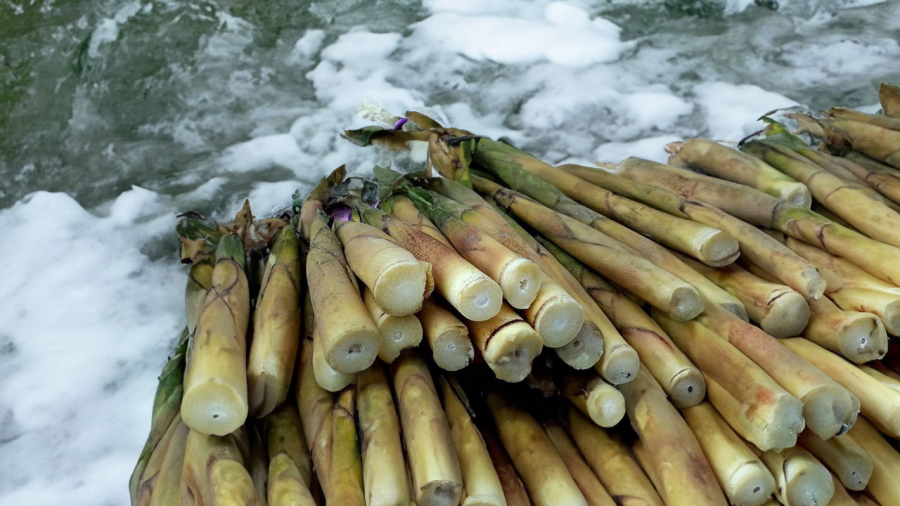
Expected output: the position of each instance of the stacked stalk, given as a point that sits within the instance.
(683, 474)
(889, 96)
(472, 293)
(612, 462)
(481, 484)
(276, 326)
(726, 163)
(801, 479)
(853, 288)
(846, 459)
(160, 482)
(636, 274)
(883, 484)
(399, 282)
(592, 396)
(348, 338)
(785, 265)
(874, 141)
(859, 205)
(707, 244)
(584, 477)
(396, 333)
(879, 120)
(681, 379)
(744, 478)
(346, 485)
(433, 465)
(759, 409)
(879, 403)
(508, 344)
(215, 382)
(290, 467)
(828, 408)
(214, 472)
(385, 477)
(513, 488)
(777, 309)
(447, 337)
(542, 469)
(555, 315)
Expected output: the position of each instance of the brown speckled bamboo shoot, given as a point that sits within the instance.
(214, 472)
(346, 486)
(314, 404)
(290, 467)
(160, 484)
(584, 477)
(758, 408)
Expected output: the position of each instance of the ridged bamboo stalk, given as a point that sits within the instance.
(636, 242)
(215, 382)
(612, 462)
(385, 476)
(883, 484)
(552, 312)
(859, 205)
(471, 292)
(843, 456)
(346, 464)
(396, 333)
(405, 210)
(481, 484)
(726, 163)
(852, 288)
(349, 338)
(597, 339)
(878, 175)
(682, 471)
(214, 472)
(447, 337)
(276, 326)
(801, 479)
(634, 273)
(396, 278)
(160, 483)
(758, 408)
(744, 478)
(433, 464)
(592, 396)
(756, 246)
(879, 403)
(707, 244)
(290, 467)
(518, 277)
(540, 466)
(777, 309)
(681, 379)
(752, 205)
(889, 96)
(828, 408)
(314, 404)
(508, 344)
(873, 141)
(584, 477)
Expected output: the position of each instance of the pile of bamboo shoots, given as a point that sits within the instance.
(717, 330)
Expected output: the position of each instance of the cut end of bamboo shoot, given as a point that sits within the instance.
(325, 375)
(796, 194)
(356, 352)
(826, 410)
(787, 316)
(214, 408)
(521, 345)
(751, 485)
(397, 334)
(606, 406)
(685, 304)
(585, 350)
(863, 338)
(814, 283)
(400, 289)
(452, 350)
(619, 365)
(718, 248)
(558, 321)
(479, 300)
(688, 388)
(520, 282)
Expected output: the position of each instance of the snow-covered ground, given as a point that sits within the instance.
(138, 109)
